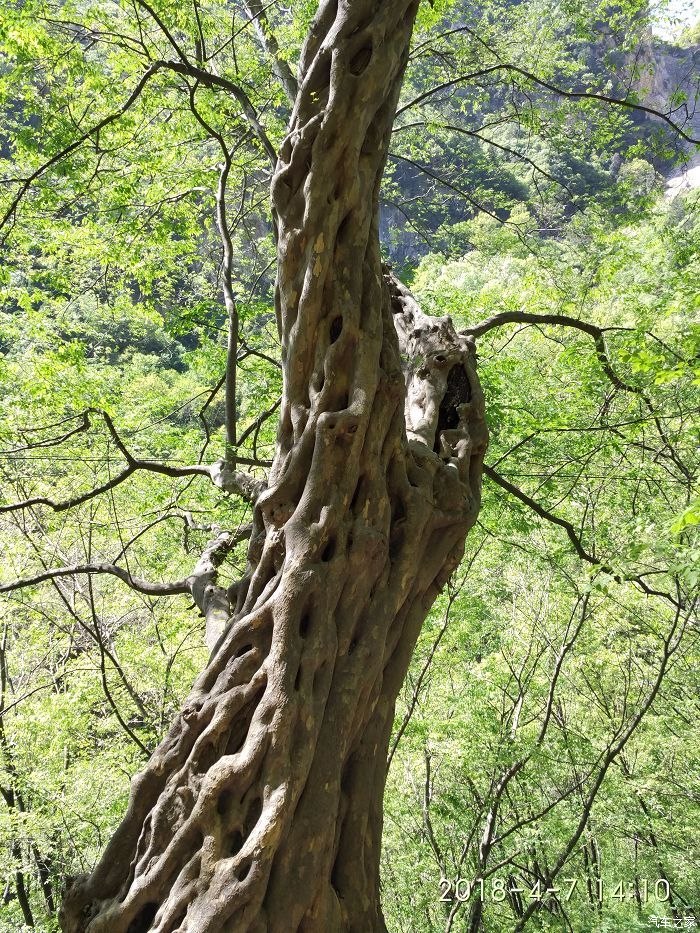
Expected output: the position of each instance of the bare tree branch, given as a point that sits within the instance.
(213, 600)
(574, 95)
(573, 536)
(543, 513)
(103, 676)
(141, 586)
(51, 441)
(164, 29)
(447, 184)
(259, 421)
(229, 480)
(230, 376)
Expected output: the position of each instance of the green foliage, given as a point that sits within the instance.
(621, 467)
(690, 35)
(110, 299)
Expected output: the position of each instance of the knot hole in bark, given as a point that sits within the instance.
(328, 551)
(235, 842)
(457, 393)
(336, 328)
(361, 59)
(223, 804)
(142, 922)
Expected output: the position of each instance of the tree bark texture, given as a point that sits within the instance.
(262, 809)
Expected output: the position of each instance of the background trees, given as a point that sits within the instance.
(118, 296)
(546, 669)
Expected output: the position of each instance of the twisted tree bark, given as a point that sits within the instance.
(262, 809)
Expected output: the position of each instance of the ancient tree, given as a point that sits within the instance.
(262, 808)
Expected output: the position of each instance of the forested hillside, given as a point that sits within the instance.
(544, 760)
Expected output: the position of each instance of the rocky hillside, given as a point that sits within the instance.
(674, 74)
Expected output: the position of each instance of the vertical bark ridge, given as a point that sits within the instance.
(261, 810)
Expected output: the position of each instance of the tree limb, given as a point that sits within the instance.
(447, 184)
(598, 335)
(51, 441)
(211, 599)
(574, 95)
(229, 480)
(183, 67)
(475, 134)
(208, 79)
(573, 536)
(136, 583)
(528, 317)
(76, 144)
(164, 29)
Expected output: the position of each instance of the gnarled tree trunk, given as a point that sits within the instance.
(262, 809)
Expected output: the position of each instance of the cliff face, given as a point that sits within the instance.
(660, 74)
(670, 80)
(686, 179)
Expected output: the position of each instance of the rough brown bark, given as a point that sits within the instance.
(262, 809)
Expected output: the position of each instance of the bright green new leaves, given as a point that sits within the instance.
(537, 666)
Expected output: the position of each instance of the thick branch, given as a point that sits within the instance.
(212, 600)
(208, 79)
(237, 483)
(598, 335)
(141, 586)
(561, 320)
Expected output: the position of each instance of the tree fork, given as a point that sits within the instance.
(262, 808)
